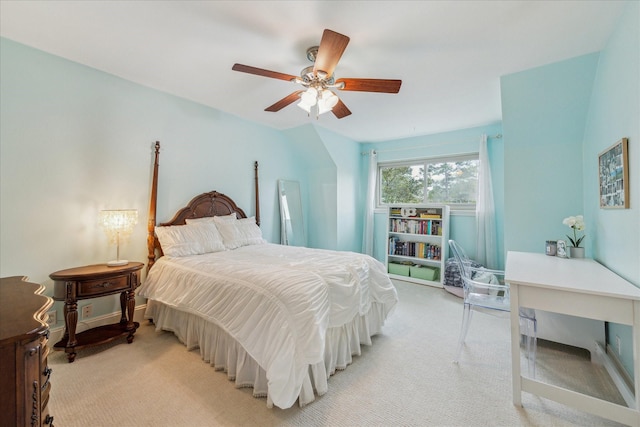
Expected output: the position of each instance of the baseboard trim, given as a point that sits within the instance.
(56, 334)
(620, 378)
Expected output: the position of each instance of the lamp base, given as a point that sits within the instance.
(118, 263)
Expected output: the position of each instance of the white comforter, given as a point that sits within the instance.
(276, 301)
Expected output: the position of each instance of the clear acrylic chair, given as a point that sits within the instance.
(486, 289)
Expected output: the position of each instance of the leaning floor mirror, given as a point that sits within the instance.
(291, 225)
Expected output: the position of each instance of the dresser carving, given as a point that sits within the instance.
(25, 380)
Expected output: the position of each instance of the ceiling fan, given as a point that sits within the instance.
(318, 79)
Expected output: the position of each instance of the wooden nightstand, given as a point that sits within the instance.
(94, 281)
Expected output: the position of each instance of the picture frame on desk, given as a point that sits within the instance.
(613, 173)
(561, 249)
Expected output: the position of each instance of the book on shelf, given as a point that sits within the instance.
(431, 213)
(414, 249)
(414, 226)
(392, 245)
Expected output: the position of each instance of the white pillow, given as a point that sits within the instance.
(242, 232)
(232, 216)
(191, 239)
(483, 276)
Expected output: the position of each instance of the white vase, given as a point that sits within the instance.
(576, 252)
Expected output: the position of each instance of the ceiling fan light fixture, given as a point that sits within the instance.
(323, 107)
(330, 99)
(305, 107)
(309, 97)
(326, 101)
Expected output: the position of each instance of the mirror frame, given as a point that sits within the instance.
(292, 231)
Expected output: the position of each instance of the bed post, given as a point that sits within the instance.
(151, 224)
(255, 167)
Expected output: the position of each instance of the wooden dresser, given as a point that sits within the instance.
(24, 373)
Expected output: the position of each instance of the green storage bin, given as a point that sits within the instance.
(425, 273)
(399, 269)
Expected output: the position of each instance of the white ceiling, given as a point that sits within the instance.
(449, 54)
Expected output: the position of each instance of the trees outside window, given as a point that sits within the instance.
(452, 181)
(403, 184)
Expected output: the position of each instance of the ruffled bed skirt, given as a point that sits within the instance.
(224, 353)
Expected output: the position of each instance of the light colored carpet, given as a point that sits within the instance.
(406, 378)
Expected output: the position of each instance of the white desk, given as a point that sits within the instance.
(577, 287)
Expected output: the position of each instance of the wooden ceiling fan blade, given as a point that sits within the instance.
(289, 99)
(340, 110)
(262, 72)
(332, 46)
(371, 85)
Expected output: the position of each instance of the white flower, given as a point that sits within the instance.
(579, 224)
(576, 223)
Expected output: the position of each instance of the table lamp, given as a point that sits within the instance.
(118, 224)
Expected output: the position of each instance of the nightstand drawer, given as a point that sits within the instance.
(103, 286)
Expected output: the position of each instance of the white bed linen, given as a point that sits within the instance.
(278, 302)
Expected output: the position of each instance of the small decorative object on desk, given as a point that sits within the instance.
(561, 250)
(576, 252)
(550, 248)
(577, 224)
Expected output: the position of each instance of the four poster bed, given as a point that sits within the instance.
(276, 318)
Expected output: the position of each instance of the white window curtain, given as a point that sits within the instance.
(486, 240)
(367, 235)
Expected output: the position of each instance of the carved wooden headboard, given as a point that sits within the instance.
(203, 205)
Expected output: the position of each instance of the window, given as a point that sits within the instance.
(452, 181)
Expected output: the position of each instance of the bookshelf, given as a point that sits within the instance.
(418, 243)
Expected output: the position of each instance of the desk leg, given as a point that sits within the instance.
(636, 352)
(515, 346)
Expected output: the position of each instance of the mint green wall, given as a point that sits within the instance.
(346, 156)
(329, 166)
(544, 113)
(614, 112)
(556, 121)
(74, 140)
(318, 186)
(444, 144)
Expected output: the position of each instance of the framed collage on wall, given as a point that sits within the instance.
(613, 172)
